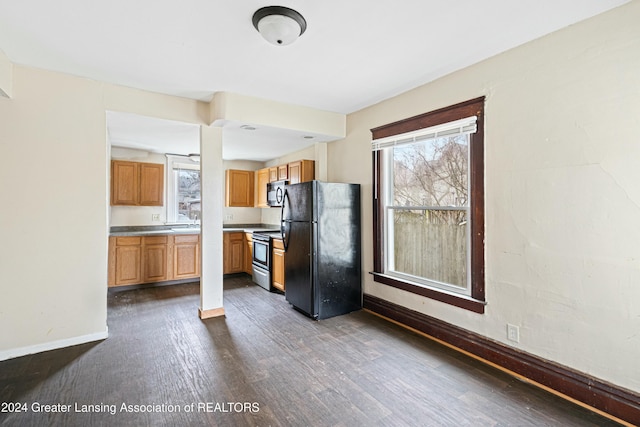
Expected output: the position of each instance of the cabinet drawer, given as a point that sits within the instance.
(129, 241)
(155, 240)
(277, 243)
(187, 238)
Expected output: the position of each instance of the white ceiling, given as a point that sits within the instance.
(354, 53)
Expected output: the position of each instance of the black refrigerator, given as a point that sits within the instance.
(320, 225)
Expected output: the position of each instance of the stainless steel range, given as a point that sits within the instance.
(262, 250)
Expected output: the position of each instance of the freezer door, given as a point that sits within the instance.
(298, 268)
(298, 202)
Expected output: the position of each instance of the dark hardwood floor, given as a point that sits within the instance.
(265, 364)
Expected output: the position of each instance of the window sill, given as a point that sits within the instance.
(458, 300)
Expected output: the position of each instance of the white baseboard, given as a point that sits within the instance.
(52, 345)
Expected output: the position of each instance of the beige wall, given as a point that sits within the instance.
(54, 216)
(562, 193)
(55, 204)
(6, 76)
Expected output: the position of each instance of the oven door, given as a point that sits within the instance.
(261, 253)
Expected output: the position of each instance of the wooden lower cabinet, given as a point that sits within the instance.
(277, 265)
(186, 256)
(248, 253)
(135, 260)
(155, 260)
(233, 252)
(125, 260)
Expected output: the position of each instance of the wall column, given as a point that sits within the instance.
(212, 181)
(321, 161)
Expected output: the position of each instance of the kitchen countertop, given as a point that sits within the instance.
(248, 229)
(155, 230)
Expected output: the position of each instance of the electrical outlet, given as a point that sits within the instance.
(228, 217)
(155, 217)
(513, 333)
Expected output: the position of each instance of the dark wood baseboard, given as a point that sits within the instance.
(599, 395)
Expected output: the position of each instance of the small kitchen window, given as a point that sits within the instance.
(429, 205)
(183, 190)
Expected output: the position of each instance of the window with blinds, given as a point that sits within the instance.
(426, 184)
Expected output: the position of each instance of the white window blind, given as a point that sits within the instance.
(456, 127)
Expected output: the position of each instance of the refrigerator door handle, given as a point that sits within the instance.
(285, 224)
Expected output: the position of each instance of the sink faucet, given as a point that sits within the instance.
(195, 220)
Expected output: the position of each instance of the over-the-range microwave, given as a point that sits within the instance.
(275, 193)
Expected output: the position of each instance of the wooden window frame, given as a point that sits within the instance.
(474, 107)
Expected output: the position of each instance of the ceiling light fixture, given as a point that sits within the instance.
(279, 25)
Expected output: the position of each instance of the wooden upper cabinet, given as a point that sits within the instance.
(283, 172)
(301, 171)
(137, 184)
(273, 174)
(294, 172)
(124, 183)
(151, 184)
(239, 188)
(262, 179)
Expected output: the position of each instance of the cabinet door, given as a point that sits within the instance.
(128, 263)
(124, 183)
(237, 255)
(239, 188)
(151, 184)
(294, 172)
(277, 265)
(261, 188)
(283, 172)
(233, 253)
(273, 174)
(301, 171)
(186, 256)
(155, 263)
(154, 258)
(248, 253)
